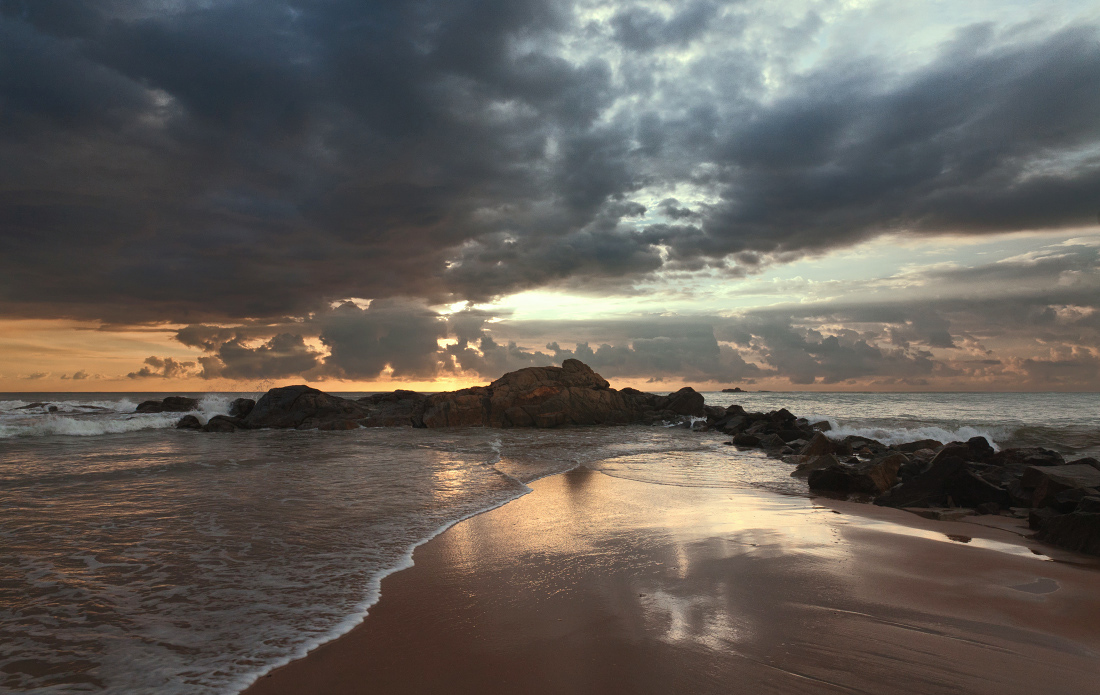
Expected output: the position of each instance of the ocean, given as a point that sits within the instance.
(135, 557)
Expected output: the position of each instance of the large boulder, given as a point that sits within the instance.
(304, 408)
(222, 423)
(241, 407)
(171, 404)
(571, 394)
(1079, 531)
(1048, 481)
(1029, 456)
(396, 409)
(189, 422)
(819, 446)
(872, 478)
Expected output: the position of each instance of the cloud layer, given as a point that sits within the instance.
(239, 160)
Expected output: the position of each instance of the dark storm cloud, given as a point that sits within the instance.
(396, 333)
(233, 160)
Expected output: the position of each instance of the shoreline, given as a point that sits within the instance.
(415, 605)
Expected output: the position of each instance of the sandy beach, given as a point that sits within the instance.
(596, 584)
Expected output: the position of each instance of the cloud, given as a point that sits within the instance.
(399, 334)
(77, 376)
(284, 355)
(163, 368)
(216, 163)
(34, 376)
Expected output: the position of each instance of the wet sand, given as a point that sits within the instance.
(594, 584)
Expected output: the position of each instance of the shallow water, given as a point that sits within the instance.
(135, 557)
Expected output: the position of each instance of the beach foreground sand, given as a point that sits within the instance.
(594, 584)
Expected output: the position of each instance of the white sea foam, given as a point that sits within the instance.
(91, 418)
(901, 435)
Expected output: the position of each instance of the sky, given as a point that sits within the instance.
(807, 195)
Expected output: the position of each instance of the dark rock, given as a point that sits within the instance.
(988, 508)
(171, 404)
(303, 408)
(746, 439)
(241, 407)
(822, 426)
(733, 390)
(222, 423)
(791, 435)
(816, 463)
(1089, 504)
(1068, 501)
(941, 513)
(870, 478)
(686, 401)
(910, 447)
(929, 489)
(819, 445)
(555, 396)
(772, 441)
(1079, 531)
(856, 443)
(51, 409)
(189, 422)
(1087, 461)
(1048, 481)
(980, 449)
(1031, 456)
(1037, 518)
(395, 409)
(31, 406)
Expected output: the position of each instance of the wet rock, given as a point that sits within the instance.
(401, 408)
(856, 443)
(555, 396)
(189, 422)
(302, 407)
(1087, 461)
(1048, 481)
(51, 409)
(980, 449)
(818, 446)
(1037, 518)
(871, 478)
(171, 404)
(1068, 501)
(822, 426)
(928, 489)
(747, 440)
(911, 447)
(1089, 504)
(772, 441)
(32, 406)
(1030, 456)
(686, 401)
(222, 423)
(1079, 531)
(816, 463)
(241, 407)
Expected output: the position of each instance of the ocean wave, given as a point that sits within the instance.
(92, 418)
(996, 436)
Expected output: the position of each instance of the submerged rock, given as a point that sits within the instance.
(241, 407)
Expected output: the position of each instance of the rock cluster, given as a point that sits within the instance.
(1061, 499)
(572, 394)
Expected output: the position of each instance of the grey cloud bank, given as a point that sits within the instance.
(246, 163)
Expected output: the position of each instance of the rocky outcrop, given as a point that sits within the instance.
(171, 404)
(241, 407)
(571, 394)
(189, 422)
(304, 408)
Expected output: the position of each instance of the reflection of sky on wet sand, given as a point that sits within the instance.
(684, 561)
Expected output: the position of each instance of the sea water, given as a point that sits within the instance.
(137, 558)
